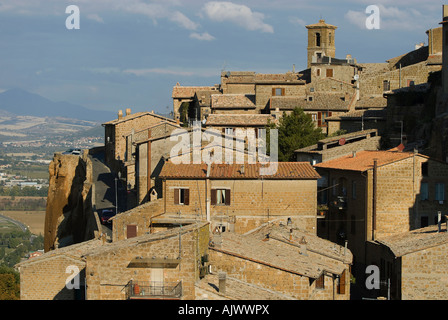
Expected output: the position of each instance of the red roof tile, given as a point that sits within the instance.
(285, 170)
(363, 160)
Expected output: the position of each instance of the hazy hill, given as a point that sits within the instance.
(23, 103)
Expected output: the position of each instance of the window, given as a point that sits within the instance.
(320, 282)
(318, 72)
(424, 222)
(425, 169)
(329, 38)
(228, 131)
(334, 186)
(182, 196)
(353, 189)
(440, 192)
(131, 231)
(341, 284)
(321, 116)
(278, 92)
(314, 117)
(318, 39)
(329, 73)
(386, 85)
(220, 197)
(424, 191)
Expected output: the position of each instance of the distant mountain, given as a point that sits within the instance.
(24, 103)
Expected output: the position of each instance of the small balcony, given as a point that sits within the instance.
(146, 290)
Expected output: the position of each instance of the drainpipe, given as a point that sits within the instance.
(374, 191)
(207, 194)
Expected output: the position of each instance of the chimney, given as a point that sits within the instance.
(354, 154)
(303, 246)
(128, 111)
(222, 282)
(445, 12)
(242, 169)
(120, 114)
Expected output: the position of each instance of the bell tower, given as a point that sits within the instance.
(320, 41)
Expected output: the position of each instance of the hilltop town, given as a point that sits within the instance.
(360, 214)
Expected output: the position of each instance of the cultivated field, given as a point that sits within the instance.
(35, 220)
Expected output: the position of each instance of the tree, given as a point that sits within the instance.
(9, 284)
(296, 130)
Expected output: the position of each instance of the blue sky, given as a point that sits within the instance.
(130, 53)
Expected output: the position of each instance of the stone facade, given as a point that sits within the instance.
(117, 131)
(414, 263)
(110, 268)
(244, 203)
(272, 258)
(331, 148)
(410, 190)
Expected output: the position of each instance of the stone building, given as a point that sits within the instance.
(341, 145)
(321, 41)
(412, 265)
(184, 99)
(161, 265)
(375, 194)
(290, 262)
(240, 197)
(117, 131)
(191, 145)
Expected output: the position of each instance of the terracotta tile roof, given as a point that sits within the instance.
(239, 120)
(285, 170)
(233, 101)
(364, 160)
(415, 240)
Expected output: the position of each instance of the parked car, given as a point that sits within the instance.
(105, 216)
(73, 151)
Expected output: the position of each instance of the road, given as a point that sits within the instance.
(17, 223)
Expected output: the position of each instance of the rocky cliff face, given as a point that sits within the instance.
(69, 215)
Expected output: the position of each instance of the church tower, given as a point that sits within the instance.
(320, 41)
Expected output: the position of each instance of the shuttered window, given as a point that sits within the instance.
(182, 196)
(329, 73)
(278, 91)
(220, 197)
(341, 284)
(320, 282)
(131, 231)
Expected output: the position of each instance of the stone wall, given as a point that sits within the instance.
(252, 202)
(272, 278)
(424, 274)
(108, 271)
(47, 280)
(139, 216)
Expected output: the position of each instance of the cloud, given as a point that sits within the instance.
(297, 21)
(202, 36)
(240, 15)
(391, 18)
(143, 72)
(95, 17)
(153, 9)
